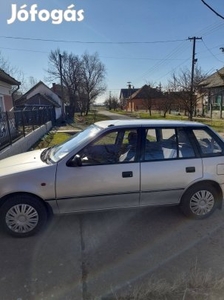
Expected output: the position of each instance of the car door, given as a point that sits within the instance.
(105, 179)
(170, 164)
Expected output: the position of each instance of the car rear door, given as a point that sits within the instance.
(169, 165)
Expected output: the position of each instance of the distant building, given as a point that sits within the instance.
(144, 98)
(148, 98)
(125, 94)
(211, 92)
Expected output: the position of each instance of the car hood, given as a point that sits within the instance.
(21, 162)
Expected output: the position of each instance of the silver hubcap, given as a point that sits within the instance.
(22, 218)
(202, 202)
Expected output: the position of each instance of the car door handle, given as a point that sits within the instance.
(127, 174)
(190, 169)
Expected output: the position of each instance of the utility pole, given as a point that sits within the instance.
(110, 104)
(192, 77)
(221, 102)
(129, 89)
(62, 91)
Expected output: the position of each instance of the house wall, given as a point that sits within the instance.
(45, 90)
(8, 102)
(136, 104)
(5, 92)
(210, 101)
(155, 103)
(141, 104)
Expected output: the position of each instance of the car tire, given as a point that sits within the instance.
(23, 215)
(199, 202)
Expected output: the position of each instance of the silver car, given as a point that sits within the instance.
(114, 164)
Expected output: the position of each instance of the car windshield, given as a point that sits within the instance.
(59, 151)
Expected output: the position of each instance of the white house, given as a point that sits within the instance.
(41, 95)
(6, 84)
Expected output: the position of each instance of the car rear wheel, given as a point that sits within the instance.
(23, 215)
(199, 202)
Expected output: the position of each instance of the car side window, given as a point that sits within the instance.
(153, 146)
(185, 148)
(128, 148)
(167, 143)
(113, 147)
(208, 144)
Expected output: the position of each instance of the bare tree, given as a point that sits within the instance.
(12, 71)
(29, 83)
(93, 77)
(112, 103)
(53, 71)
(4, 64)
(149, 95)
(165, 104)
(66, 67)
(73, 73)
(82, 78)
(181, 83)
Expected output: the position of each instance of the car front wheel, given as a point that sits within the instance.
(23, 215)
(199, 202)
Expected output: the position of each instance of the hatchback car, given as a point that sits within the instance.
(115, 164)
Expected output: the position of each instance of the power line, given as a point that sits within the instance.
(87, 42)
(105, 57)
(173, 70)
(210, 29)
(213, 10)
(164, 60)
(211, 52)
(27, 50)
(140, 58)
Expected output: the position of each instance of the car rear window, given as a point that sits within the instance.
(208, 143)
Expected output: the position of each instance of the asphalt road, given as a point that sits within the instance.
(113, 115)
(93, 255)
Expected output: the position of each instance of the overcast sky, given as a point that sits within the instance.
(142, 41)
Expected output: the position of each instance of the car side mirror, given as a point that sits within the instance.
(76, 161)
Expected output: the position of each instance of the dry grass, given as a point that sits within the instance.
(195, 285)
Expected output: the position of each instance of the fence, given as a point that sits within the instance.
(17, 124)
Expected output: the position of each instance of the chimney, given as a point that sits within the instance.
(54, 87)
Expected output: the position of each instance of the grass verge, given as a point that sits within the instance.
(91, 118)
(51, 139)
(216, 124)
(195, 285)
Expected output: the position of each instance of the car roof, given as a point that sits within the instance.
(151, 122)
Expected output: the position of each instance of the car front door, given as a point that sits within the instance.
(108, 176)
(170, 164)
